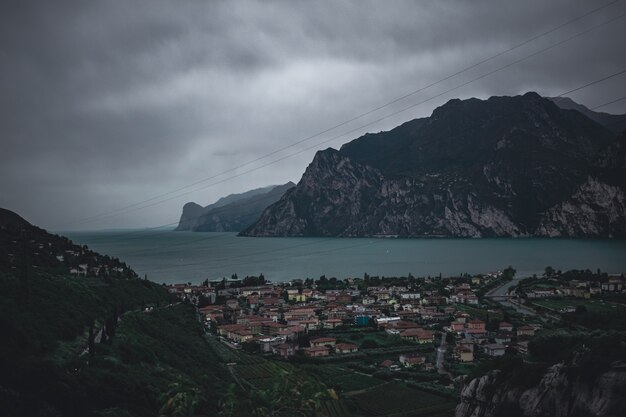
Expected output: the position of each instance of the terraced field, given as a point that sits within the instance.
(343, 378)
(395, 400)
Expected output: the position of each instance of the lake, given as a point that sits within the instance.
(172, 257)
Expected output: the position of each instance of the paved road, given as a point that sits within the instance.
(502, 290)
(441, 354)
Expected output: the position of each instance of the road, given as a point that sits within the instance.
(502, 291)
(441, 354)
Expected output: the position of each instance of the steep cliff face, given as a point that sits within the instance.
(507, 166)
(559, 394)
(232, 213)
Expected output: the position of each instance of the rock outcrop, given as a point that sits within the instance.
(560, 393)
(232, 213)
(506, 166)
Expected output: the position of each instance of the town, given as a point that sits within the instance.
(425, 332)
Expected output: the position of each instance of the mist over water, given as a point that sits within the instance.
(170, 257)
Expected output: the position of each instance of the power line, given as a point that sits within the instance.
(359, 116)
(609, 102)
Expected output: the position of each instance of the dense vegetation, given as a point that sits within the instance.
(45, 361)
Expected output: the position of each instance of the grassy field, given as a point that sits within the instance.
(480, 313)
(371, 339)
(596, 306)
(265, 380)
(395, 400)
(342, 378)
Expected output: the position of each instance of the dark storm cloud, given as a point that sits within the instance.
(106, 103)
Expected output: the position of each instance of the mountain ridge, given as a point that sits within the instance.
(232, 213)
(505, 166)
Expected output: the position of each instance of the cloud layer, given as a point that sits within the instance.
(108, 103)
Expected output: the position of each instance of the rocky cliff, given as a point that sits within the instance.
(560, 393)
(506, 166)
(232, 213)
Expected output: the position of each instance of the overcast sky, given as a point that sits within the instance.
(105, 104)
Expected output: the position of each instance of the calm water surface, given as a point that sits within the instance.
(186, 256)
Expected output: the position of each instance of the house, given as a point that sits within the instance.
(285, 350)
(266, 344)
(494, 349)
(476, 325)
(418, 335)
(346, 348)
(344, 298)
(503, 337)
(613, 285)
(240, 335)
(505, 327)
(410, 296)
(457, 326)
(464, 353)
(525, 331)
(323, 341)
(332, 323)
(386, 364)
(411, 359)
(291, 332)
(316, 351)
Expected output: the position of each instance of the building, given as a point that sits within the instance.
(411, 359)
(285, 350)
(494, 349)
(525, 331)
(505, 327)
(464, 353)
(418, 335)
(323, 341)
(316, 351)
(346, 348)
(332, 323)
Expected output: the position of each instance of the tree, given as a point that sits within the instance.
(509, 273)
(549, 272)
(369, 344)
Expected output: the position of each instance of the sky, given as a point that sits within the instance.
(111, 111)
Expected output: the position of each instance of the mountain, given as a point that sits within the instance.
(613, 122)
(82, 343)
(232, 213)
(22, 242)
(505, 166)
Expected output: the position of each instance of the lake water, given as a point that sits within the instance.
(172, 257)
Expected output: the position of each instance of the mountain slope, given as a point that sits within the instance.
(613, 122)
(232, 213)
(506, 166)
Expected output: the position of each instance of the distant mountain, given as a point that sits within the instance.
(613, 122)
(506, 166)
(232, 213)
